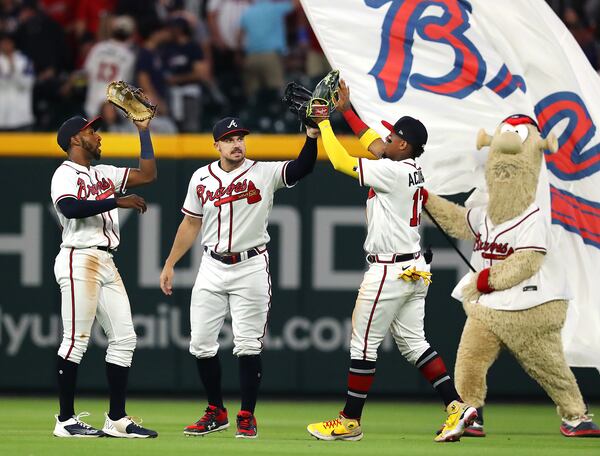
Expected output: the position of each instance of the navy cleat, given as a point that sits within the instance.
(128, 428)
(74, 427)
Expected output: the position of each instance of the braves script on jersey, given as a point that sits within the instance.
(234, 206)
(493, 244)
(71, 180)
(394, 205)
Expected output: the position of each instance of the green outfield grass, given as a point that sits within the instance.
(391, 428)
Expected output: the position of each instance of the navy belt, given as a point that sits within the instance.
(233, 258)
(397, 258)
(105, 248)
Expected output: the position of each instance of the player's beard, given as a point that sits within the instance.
(94, 151)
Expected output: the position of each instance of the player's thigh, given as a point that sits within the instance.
(209, 306)
(408, 327)
(373, 312)
(79, 289)
(250, 298)
(114, 311)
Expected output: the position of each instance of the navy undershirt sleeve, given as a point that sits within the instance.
(74, 208)
(304, 164)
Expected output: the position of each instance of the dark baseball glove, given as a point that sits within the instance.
(296, 97)
(130, 100)
(316, 104)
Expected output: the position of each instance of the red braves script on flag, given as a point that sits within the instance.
(461, 65)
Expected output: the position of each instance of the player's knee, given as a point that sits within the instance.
(120, 351)
(199, 350)
(74, 349)
(366, 355)
(248, 347)
(413, 352)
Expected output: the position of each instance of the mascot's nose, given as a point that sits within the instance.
(507, 143)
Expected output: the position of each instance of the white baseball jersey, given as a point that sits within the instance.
(493, 244)
(107, 61)
(394, 205)
(99, 182)
(234, 206)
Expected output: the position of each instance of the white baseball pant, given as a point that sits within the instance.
(387, 302)
(242, 289)
(91, 287)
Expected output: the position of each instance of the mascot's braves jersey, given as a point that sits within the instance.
(393, 206)
(234, 206)
(71, 180)
(493, 244)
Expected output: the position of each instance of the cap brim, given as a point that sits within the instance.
(92, 123)
(388, 125)
(232, 132)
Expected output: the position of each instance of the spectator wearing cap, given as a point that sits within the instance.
(263, 34)
(186, 69)
(16, 87)
(109, 60)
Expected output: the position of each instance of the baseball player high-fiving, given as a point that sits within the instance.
(86, 198)
(229, 201)
(392, 293)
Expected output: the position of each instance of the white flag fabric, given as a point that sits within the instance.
(462, 65)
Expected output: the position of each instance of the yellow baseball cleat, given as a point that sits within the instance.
(460, 416)
(341, 428)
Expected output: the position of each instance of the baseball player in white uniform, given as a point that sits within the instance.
(392, 294)
(86, 198)
(229, 201)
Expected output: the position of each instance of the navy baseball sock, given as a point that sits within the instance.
(210, 374)
(250, 376)
(360, 378)
(434, 370)
(66, 373)
(117, 377)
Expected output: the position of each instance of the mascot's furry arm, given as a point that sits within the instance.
(515, 269)
(451, 217)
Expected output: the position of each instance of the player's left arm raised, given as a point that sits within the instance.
(147, 172)
(305, 163)
(339, 157)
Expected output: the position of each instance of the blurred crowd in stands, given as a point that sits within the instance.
(198, 59)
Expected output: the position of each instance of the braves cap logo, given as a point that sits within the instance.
(232, 124)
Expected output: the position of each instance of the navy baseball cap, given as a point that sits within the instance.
(228, 126)
(411, 130)
(71, 127)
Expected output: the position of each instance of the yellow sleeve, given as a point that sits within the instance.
(338, 156)
(368, 137)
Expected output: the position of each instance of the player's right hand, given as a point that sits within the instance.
(342, 102)
(132, 202)
(166, 280)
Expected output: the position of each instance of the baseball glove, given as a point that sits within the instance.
(317, 104)
(130, 100)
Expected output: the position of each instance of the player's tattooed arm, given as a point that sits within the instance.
(368, 137)
(147, 171)
(188, 231)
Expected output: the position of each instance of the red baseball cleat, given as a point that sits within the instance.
(214, 420)
(246, 425)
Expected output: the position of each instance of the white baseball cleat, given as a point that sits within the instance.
(127, 428)
(74, 427)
